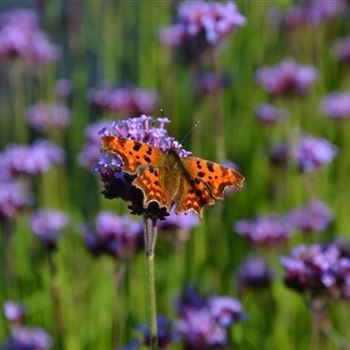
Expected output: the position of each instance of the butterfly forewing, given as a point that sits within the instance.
(132, 153)
(214, 175)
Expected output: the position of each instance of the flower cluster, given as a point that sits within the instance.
(341, 50)
(45, 117)
(200, 26)
(119, 236)
(63, 88)
(204, 321)
(309, 13)
(14, 312)
(264, 230)
(47, 226)
(128, 102)
(118, 184)
(268, 114)
(254, 273)
(318, 270)
(31, 160)
(91, 151)
(312, 218)
(337, 106)
(312, 153)
(20, 36)
(287, 77)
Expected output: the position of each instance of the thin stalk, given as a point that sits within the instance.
(150, 235)
(56, 302)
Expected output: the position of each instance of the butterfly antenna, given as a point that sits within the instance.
(189, 133)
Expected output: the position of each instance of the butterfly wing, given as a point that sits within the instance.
(214, 175)
(132, 153)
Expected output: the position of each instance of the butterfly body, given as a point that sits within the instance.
(189, 183)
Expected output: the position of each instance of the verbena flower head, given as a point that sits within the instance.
(254, 273)
(125, 101)
(14, 312)
(119, 236)
(312, 153)
(341, 50)
(25, 338)
(201, 25)
(63, 88)
(44, 117)
(268, 114)
(31, 160)
(313, 218)
(208, 83)
(47, 225)
(14, 197)
(20, 37)
(118, 184)
(318, 270)
(287, 77)
(337, 106)
(204, 321)
(91, 151)
(265, 230)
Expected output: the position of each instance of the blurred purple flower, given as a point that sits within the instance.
(278, 154)
(319, 270)
(20, 37)
(63, 88)
(312, 153)
(254, 273)
(209, 83)
(315, 217)
(25, 338)
(91, 151)
(44, 117)
(14, 312)
(133, 345)
(268, 113)
(287, 77)
(128, 102)
(337, 106)
(14, 197)
(118, 184)
(47, 225)
(119, 236)
(265, 230)
(341, 50)
(201, 25)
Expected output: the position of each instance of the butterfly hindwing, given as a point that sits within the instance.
(132, 153)
(214, 175)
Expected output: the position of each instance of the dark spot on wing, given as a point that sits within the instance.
(137, 146)
(130, 153)
(147, 159)
(224, 170)
(191, 191)
(155, 173)
(200, 174)
(149, 151)
(210, 167)
(196, 181)
(198, 164)
(137, 157)
(151, 169)
(156, 183)
(210, 178)
(192, 183)
(216, 177)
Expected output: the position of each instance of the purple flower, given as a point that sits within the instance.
(287, 77)
(118, 184)
(278, 154)
(91, 151)
(319, 270)
(14, 312)
(254, 273)
(264, 230)
(45, 117)
(63, 88)
(14, 197)
(119, 236)
(201, 25)
(341, 50)
(125, 101)
(24, 338)
(209, 83)
(31, 160)
(337, 106)
(314, 217)
(20, 37)
(312, 153)
(268, 114)
(47, 225)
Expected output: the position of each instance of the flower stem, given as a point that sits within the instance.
(150, 235)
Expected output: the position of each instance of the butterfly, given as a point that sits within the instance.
(189, 183)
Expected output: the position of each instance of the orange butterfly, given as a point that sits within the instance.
(167, 179)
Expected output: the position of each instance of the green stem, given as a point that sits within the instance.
(150, 235)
